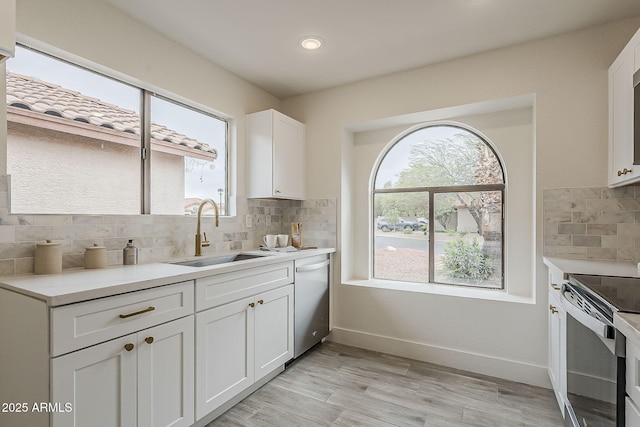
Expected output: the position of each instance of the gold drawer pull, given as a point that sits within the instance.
(553, 309)
(146, 310)
(149, 340)
(128, 347)
(252, 304)
(554, 286)
(624, 171)
(260, 301)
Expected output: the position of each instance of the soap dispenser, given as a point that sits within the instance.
(130, 254)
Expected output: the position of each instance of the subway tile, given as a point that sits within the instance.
(70, 232)
(557, 240)
(602, 205)
(7, 267)
(628, 229)
(587, 217)
(34, 233)
(601, 229)
(571, 252)
(629, 204)
(606, 254)
(618, 217)
(556, 194)
(7, 234)
(550, 228)
(618, 241)
(618, 193)
(572, 205)
(586, 193)
(589, 241)
(565, 228)
(557, 216)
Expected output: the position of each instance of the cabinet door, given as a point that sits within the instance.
(224, 353)
(100, 384)
(621, 168)
(274, 329)
(166, 374)
(557, 347)
(288, 157)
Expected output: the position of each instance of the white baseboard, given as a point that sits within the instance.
(479, 363)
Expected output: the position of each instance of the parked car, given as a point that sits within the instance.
(402, 224)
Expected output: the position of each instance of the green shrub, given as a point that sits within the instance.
(450, 232)
(465, 260)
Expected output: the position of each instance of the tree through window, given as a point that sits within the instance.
(438, 202)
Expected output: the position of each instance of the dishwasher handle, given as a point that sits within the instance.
(312, 267)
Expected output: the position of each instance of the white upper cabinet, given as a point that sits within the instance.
(622, 171)
(7, 28)
(275, 156)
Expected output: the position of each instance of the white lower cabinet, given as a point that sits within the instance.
(143, 379)
(557, 342)
(240, 342)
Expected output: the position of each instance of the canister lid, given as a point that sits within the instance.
(48, 243)
(95, 247)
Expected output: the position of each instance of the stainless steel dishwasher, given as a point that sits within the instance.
(311, 297)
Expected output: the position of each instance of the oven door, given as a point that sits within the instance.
(592, 370)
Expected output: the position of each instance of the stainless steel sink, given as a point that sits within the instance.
(223, 259)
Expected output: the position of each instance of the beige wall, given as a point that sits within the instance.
(568, 76)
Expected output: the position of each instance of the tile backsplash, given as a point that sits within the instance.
(158, 237)
(592, 223)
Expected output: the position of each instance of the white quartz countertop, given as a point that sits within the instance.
(629, 325)
(73, 286)
(601, 268)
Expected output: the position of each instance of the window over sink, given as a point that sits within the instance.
(81, 142)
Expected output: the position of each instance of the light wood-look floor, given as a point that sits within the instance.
(337, 385)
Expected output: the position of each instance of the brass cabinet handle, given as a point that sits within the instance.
(149, 340)
(252, 304)
(260, 301)
(278, 191)
(624, 171)
(128, 347)
(554, 286)
(553, 309)
(146, 310)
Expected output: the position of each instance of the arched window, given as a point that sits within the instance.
(438, 202)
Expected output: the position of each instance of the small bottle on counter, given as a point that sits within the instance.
(130, 254)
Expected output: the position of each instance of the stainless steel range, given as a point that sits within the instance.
(595, 351)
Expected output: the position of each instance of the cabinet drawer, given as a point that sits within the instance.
(223, 288)
(631, 413)
(80, 325)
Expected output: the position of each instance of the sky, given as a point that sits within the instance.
(201, 127)
(397, 158)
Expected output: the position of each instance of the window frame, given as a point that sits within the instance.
(432, 191)
(145, 94)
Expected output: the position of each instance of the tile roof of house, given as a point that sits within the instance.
(47, 98)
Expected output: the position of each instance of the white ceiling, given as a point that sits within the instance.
(258, 39)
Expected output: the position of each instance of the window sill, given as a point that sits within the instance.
(437, 289)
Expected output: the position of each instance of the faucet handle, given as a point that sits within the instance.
(205, 242)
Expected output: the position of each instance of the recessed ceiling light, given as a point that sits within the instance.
(311, 42)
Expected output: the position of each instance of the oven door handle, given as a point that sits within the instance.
(601, 329)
